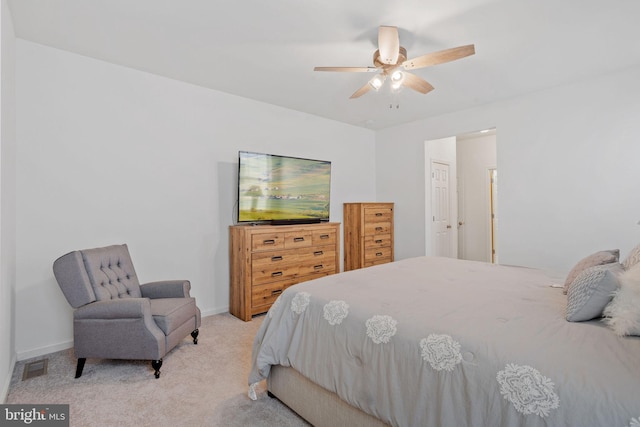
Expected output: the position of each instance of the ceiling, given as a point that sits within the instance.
(266, 50)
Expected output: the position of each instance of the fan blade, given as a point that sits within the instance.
(364, 89)
(439, 57)
(388, 44)
(348, 69)
(417, 83)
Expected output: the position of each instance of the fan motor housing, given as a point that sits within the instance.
(402, 56)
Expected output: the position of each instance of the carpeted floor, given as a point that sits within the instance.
(200, 385)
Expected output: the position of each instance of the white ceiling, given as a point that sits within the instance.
(266, 50)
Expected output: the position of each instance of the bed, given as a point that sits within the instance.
(435, 341)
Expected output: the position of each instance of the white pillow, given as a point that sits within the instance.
(590, 293)
(623, 312)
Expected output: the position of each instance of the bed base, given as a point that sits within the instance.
(315, 404)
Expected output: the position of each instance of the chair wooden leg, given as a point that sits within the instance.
(80, 366)
(194, 335)
(156, 364)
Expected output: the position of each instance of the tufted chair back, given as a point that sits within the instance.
(111, 272)
(97, 275)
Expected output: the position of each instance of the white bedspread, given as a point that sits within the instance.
(442, 342)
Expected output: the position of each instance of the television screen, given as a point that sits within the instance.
(275, 189)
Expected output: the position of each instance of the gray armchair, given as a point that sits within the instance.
(117, 318)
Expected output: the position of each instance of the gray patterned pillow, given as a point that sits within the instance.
(599, 258)
(632, 259)
(590, 293)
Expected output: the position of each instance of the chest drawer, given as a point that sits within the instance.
(375, 228)
(377, 240)
(377, 254)
(378, 214)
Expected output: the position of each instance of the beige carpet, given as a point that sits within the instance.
(200, 385)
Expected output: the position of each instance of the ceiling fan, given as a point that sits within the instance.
(391, 62)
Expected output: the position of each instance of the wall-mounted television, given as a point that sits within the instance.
(281, 189)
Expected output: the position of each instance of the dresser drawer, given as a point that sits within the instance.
(378, 214)
(298, 239)
(262, 296)
(377, 254)
(377, 241)
(273, 273)
(324, 237)
(375, 228)
(318, 269)
(272, 266)
(267, 241)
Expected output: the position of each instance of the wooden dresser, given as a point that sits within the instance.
(266, 259)
(368, 234)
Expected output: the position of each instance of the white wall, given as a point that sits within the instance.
(7, 198)
(111, 155)
(568, 160)
(475, 156)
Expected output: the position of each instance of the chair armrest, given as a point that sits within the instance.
(124, 308)
(166, 289)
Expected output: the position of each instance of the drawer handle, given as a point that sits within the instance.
(269, 242)
(316, 253)
(276, 274)
(378, 213)
(379, 241)
(276, 292)
(378, 228)
(298, 239)
(378, 253)
(324, 236)
(276, 258)
(318, 267)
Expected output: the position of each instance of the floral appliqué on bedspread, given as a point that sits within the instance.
(380, 328)
(528, 390)
(441, 351)
(335, 312)
(300, 302)
(635, 422)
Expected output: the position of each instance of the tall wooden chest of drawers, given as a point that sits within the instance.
(266, 259)
(368, 234)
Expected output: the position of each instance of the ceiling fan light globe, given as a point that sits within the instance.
(397, 76)
(376, 82)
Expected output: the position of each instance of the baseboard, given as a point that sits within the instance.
(213, 311)
(4, 392)
(41, 351)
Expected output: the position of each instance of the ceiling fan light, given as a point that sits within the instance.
(397, 78)
(377, 81)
